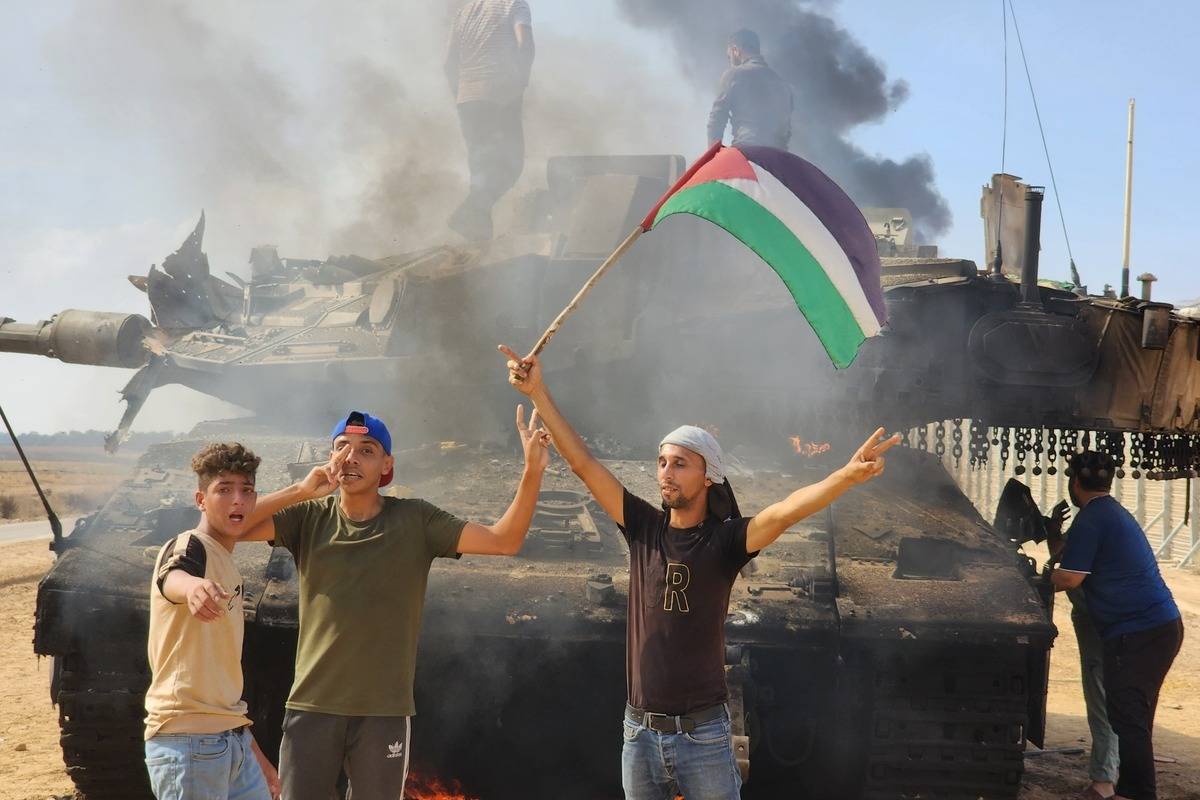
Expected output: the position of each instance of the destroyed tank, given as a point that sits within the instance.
(896, 646)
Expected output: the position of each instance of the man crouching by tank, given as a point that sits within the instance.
(198, 742)
(363, 561)
(683, 561)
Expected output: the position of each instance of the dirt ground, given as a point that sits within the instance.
(74, 484)
(31, 767)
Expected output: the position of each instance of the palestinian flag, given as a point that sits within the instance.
(802, 224)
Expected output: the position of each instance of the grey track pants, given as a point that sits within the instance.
(1105, 755)
(316, 747)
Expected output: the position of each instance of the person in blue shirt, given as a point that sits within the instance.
(1106, 552)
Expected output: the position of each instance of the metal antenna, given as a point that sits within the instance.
(998, 263)
(1053, 183)
(55, 524)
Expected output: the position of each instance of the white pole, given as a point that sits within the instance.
(980, 482)
(1139, 508)
(989, 473)
(977, 486)
(1168, 521)
(1128, 202)
(1043, 488)
(1195, 511)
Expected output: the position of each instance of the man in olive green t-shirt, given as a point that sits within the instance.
(363, 561)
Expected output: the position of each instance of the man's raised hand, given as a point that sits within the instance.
(323, 480)
(1058, 517)
(525, 374)
(868, 461)
(535, 441)
(206, 600)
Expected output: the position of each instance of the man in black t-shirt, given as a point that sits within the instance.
(683, 560)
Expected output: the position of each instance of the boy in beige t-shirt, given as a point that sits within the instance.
(198, 742)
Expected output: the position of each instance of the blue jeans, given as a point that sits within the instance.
(208, 766)
(699, 765)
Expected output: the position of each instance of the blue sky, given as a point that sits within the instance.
(1087, 60)
(108, 151)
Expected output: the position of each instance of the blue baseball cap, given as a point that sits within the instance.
(364, 424)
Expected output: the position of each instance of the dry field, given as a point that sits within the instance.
(77, 481)
(31, 767)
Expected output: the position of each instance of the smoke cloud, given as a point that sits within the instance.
(318, 130)
(288, 129)
(300, 125)
(324, 132)
(837, 85)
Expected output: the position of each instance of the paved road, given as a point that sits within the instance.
(24, 531)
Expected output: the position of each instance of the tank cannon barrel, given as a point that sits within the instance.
(99, 338)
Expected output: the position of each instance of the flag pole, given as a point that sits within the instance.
(622, 248)
(587, 287)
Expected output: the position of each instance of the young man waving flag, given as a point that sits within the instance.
(683, 560)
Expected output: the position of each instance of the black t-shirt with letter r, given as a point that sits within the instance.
(679, 584)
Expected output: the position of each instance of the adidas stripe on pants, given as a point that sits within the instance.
(316, 747)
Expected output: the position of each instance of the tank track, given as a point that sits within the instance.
(100, 719)
(948, 728)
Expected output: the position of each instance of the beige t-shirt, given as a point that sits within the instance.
(196, 686)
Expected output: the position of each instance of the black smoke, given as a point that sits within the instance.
(837, 85)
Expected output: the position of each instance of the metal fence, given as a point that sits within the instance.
(1169, 511)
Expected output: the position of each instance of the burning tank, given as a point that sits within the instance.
(896, 646)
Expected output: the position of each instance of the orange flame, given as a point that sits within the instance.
(420, 787)
(430, 787)
(809, 449)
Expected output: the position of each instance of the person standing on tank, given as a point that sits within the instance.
(1106, 552)
(684, 557)
(488, 60)
(752, 99)
(363, 561)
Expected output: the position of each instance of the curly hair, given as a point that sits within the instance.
(224, 457)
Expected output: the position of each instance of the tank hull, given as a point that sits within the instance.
(884, 686)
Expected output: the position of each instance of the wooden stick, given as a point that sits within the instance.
(647, 223)
(587, 287)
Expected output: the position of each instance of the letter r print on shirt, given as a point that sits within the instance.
(677, 579)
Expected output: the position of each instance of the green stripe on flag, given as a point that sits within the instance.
(760, 230)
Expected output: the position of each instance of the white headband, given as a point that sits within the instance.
(703, 444)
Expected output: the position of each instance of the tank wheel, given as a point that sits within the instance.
(100, 720)
(947, 725)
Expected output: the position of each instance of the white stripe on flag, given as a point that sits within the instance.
(772, 195)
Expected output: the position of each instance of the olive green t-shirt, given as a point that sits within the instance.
(362, 588)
